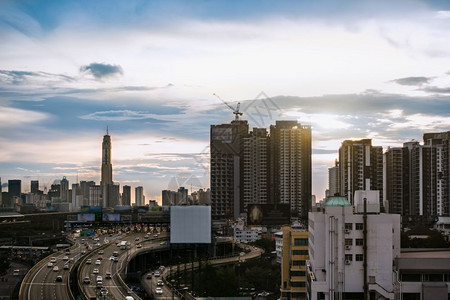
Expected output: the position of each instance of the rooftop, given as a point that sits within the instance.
(337, 201)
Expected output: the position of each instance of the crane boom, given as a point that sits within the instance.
(236, 111)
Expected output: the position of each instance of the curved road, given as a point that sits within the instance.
(41, 283)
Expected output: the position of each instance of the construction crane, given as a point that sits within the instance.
(236, 111)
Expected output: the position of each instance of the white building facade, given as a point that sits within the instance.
(351, 253)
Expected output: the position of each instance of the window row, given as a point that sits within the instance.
(358, 226)
(358, 242)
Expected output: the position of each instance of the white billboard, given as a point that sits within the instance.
(190, 224)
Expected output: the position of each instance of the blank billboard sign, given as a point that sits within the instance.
(190, 224)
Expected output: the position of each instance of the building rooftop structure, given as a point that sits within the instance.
(337, 201)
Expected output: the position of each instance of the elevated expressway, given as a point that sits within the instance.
(40, 281)
(115, 286)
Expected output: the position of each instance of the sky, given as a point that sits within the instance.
(148, 70)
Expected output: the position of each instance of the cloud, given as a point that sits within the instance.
(21, 77)
(412, 80)
(102, 70)
(435, 89)
(118, 115)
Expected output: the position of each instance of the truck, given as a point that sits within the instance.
(122, 245)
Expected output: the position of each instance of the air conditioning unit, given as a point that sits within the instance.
(347, 262)
(348, 247)
(347, 231)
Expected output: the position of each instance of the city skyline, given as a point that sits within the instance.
(359, 70)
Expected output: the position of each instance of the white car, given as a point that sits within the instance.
(89, 261)
(53, 260)
(160, 283)
(55, 269)
(95, 271)
(99, 278)
(65, 258)
(98, 261)
(49, 265)
(158, 290)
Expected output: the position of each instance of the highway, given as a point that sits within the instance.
(113, 285)
(151, 284)
(40, 282)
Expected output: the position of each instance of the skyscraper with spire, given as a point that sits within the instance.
(106, 160)
(107, 182)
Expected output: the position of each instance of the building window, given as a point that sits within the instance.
(298, 273)
(298, 295)
(348, 242)
(359, 257)
(300, 242)
(359, 226)
(300, 252)
(298, 284)
(299, 263)
(359, 242)
(349, 257)
(349, 226)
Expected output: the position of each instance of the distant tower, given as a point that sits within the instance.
(64, 189)
(106, 160)
(126, 195)
(139, 195)
(34, 186)
(106, 181)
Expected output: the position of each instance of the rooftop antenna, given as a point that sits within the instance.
(107, 133)
(236, 111)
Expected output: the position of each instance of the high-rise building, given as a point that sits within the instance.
(14, 188)
(290, 166)
(34, 186)
(294, 255)
(226, 167)
(352, 254)
(417, 176)
(109, 196)
(333, 179)
(106, 160)
(95, 195)
(126, 195)
(360, 168)
(139, 196)
(397, 180)
(255, 168)
(84, 186)
(77, 196)
(64, 189)
(1, 193)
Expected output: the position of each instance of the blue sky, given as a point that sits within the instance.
(148, 69)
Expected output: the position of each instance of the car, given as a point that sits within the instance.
(55, 269)
(99, 278)
(158, 290)
(136, 239)
(129, 298)
(66, 267)
(111, 258)
(16, 272)
(149, 276)
(108, 275)
(95, 271)
(157, 273)
(139, 246)
(100, 257)
(160, 283)
(103, 292)
(161, 268)
(88, 261)
(162, 243)
(49, 265)
(116, 259)
(98, 262)
(53, 260)
(83, 252)
(116, 253)
(59, 278)
(66, 258)
(86, 280)
(101, 252)
(71, 260)
(99, 284)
